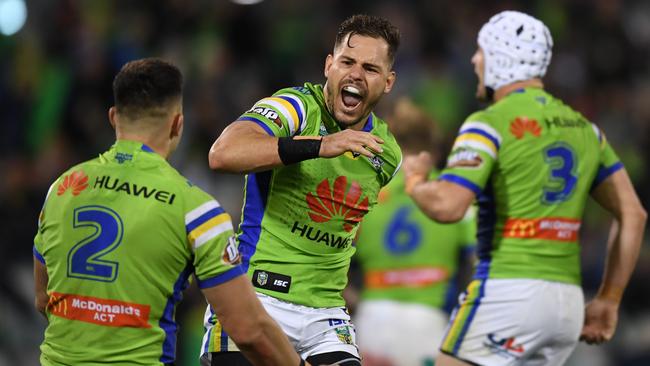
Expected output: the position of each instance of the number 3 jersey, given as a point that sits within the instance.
(120, 236)
(298, 221)
(532, 162)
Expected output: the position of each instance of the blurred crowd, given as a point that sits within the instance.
(55, 90)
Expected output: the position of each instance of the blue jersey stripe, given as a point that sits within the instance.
(167, 322)
(220, 278)
(461, 181)
(369, 124)
(224, 340)
(482, 133)
(203, 218)
(295, 106)
(259, 122)
(486, 221)
(605, 172)
(38, 255)
(257, 191)
(146, 148)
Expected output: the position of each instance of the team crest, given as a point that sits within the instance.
(262, 277)
(344, 335)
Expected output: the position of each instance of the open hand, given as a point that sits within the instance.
(358, 142)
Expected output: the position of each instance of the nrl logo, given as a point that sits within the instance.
(262, 277)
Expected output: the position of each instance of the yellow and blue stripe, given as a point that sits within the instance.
(463, 317)
(480, 136)
(290, 108)
(206, 222)
(217, 338)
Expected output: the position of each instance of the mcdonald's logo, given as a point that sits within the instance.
(521, 228)
(549, 228)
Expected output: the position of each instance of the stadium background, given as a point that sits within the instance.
(55, 89)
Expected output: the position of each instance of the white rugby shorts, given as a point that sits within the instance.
(515, 322)
(311, 331)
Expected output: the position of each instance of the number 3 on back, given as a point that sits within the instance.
(84, 259)
(562, 180)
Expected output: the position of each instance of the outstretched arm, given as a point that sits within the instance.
(616, 194)
(243, 317)
(245, 147)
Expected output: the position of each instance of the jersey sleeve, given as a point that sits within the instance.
(282, 115)
(210, 235)
(609, 163)
(473, 154)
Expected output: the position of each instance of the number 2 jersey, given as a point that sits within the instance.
(532, 162)
(120, 236)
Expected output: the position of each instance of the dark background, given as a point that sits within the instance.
(55, 90)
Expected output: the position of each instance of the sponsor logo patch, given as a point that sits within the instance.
(106, 312)
(464, 158)
(76, 181)
(550, 228)
(271, 281)
(521, 125)
(340, 200)
(231, 252)
(268, 113)
(504, 347)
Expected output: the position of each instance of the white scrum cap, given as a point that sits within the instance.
(515, 47)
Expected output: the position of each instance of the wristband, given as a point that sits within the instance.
(293, 150)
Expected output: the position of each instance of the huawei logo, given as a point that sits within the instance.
(341, 200)
(521, 125)
(77, 181)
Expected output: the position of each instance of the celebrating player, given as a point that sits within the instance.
(120, 235)
(531, 162)
(410, 264)
(315, 157)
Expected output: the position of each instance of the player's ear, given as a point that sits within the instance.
(177, 126)
(328, 63)
(390, 81)
(111, 115)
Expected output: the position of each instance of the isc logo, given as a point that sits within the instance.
(281, 283)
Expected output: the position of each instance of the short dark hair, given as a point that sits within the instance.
(370, 26)
(145, 86)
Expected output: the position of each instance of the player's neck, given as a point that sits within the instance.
(505, 90)
(160, 147)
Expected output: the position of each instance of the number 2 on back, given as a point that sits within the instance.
(84, 259)
(563, 178)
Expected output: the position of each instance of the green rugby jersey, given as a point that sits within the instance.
(405, 255)
(532, 162)
(120, 236)
(298, 221)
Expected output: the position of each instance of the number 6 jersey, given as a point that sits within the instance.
(120, 236)
(532, 161)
